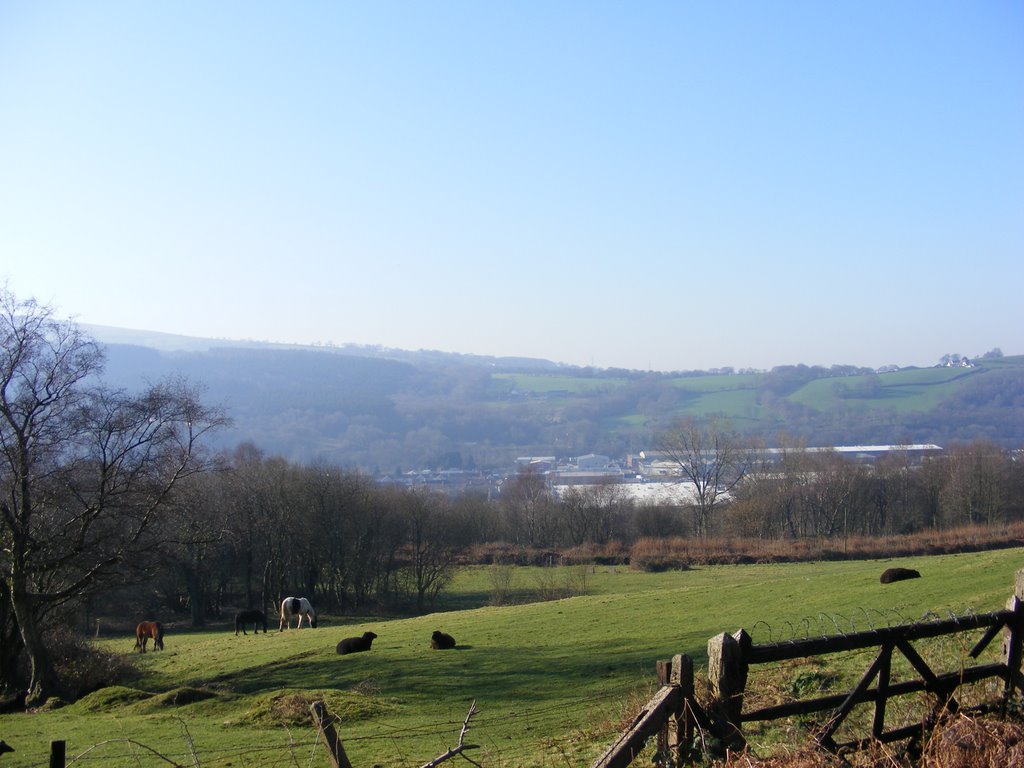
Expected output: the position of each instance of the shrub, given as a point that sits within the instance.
(657, 555)
(612, 553)
(501, 576)
(659, 563)
(83, 668)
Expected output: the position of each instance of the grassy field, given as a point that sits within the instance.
(553, 680)
(901, 391)
(546, 383)
(719, 382)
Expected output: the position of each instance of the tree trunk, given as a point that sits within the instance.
(265, 595)
(196, 598)
(43, 682)
(10, 643)
(421, 592)
(248, 577)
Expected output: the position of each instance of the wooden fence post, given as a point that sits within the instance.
(680, 734)
(727, 674)
(335, 751)
(58, 751)
(676, 736)
(663, 670)
(1013, 640)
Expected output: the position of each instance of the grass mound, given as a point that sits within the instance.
(178, 697)
(291, 707)
(110, 698)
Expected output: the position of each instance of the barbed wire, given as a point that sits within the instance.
(400, 738)
(833, 624)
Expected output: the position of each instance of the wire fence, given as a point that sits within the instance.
(406, 746)
(831, 624)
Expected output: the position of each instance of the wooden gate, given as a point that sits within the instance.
(675, 714)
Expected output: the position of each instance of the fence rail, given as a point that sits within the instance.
(674, 714)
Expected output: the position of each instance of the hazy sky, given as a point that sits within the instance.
(663, 185)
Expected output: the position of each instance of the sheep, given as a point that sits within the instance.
(439, 641)
(898, 574)
(356, 644)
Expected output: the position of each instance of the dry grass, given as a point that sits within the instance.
(964, 742)
(958, 742)
(680, 552)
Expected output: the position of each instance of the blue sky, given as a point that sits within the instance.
(642, 185)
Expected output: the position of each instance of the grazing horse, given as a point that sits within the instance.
(296, 606)
(147, 630)
(255, 617)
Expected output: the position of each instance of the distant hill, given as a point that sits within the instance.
(383, 409)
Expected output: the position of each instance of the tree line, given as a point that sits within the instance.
(259, 527)
(822, 494)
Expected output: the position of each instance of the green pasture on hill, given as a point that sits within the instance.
(553, 681)
(918, 389)
(735, 404)
(719, 382)
(738, 396)
(547, 383)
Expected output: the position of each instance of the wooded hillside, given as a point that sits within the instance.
(380, 410)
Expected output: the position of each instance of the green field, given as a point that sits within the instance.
(735, 404)
(719, 382)
(902, 391)
(552, 680)
(545, 383)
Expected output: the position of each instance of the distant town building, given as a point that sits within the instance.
(591, 469)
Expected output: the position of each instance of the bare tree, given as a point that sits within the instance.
(711, 457)
(977, 483)
(85, 471)
(195, 546)
(827, 496)
(526, 501)
(594, 513)
(435, 539)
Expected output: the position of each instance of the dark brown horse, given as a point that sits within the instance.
(147, 630)
(255, 617)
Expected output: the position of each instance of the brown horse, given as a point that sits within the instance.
(146, 630)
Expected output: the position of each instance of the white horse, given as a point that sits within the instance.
(296, 606)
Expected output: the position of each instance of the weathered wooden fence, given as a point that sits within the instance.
(674, 714)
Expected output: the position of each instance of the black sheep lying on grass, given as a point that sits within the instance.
(439, 641)
(356, 644)
(898, 574)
